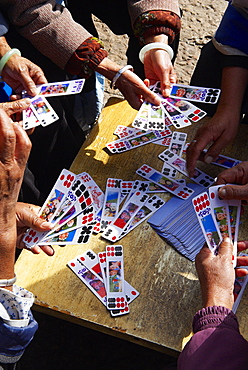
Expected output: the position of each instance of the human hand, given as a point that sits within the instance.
(14, 108)
(216, 275)
(131, 86)
(27, 217)
(158, 67)
(235, 175)
(21, 74)
(221, 129)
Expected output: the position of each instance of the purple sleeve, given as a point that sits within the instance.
(217, 342)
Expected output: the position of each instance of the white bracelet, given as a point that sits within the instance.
(119, 73)
(155, 45)
(7, 56)
(8, 282)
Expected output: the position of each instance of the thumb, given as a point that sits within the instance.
(226, 248)
(234, 192)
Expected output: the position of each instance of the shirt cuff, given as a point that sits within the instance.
(157, 22)
(214, 316)
(86, 58)
(15, 306)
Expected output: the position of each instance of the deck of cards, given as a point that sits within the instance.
(40, 112)
(103, 274)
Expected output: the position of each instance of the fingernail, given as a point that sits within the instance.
(222, 192)
(227, 240)
(46, 225)
(208, 159)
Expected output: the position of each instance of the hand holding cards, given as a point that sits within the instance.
(40, 111)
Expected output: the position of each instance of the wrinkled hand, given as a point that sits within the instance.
(21, 74)
(235, 175)
(131, 86)
(26, 217)
(216, 275)
(14, 109)
(221, 130)
(158, 67)
(135, 90)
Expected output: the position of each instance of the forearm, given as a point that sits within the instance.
(7, 253)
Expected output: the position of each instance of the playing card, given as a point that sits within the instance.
(96, 193)
(151, 205)
(188, 109)
(43, 111)
(225, 162)
(180, 165)
(29, 119)
(83, 219)
(111, 201)
(207, 221)
(177, 142)
(122, 145)
(79, 236)
(195, 93)
(89, 278)
(125, 216)
(239, 288)
(141, 120)
(178, 119)
(50, 207)
(156, 118)
(116, 298)
(125, 131)
(164, 182)
(61, 88)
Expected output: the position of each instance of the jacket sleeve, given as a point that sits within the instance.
(217, 342)
(48, 26)
(136, 8)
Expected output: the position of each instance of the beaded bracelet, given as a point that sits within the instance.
(7, 56)
(119, 73)
(155, 45)
(8, 282)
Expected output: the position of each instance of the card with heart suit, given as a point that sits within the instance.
(49, 210)
(195, 93)
(207, 221)
(167, 183)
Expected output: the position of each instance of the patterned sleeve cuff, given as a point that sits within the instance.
(86, 58)
(157, 22)
(212, 317)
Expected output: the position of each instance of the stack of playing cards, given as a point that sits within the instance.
(103, 274)
(177, 223)
(40, 111)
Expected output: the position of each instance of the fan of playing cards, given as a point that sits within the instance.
(77, 207)
(40, 111)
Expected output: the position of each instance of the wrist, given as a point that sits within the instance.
(157, 38)
(225, 299)
(108, 68)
